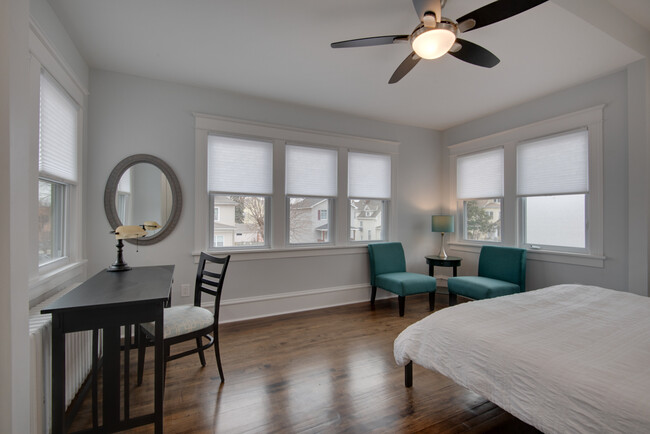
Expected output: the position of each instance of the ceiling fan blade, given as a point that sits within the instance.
(472, 53)
(404, 67)
(422, 6)
(369, 42)
(495, 12)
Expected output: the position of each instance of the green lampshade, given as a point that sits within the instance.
(442, 223)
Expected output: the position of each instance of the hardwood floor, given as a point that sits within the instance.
(330, 370)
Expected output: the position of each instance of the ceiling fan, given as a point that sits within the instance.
(436, 35)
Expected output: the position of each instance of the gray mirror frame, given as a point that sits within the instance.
(110, 207)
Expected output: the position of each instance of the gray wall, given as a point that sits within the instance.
(612, 91)
(129, 115)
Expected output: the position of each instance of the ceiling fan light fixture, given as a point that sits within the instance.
(431, 43)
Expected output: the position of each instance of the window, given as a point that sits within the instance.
(311, 186)
(240, 182)
(57, 167)
(369, 192)
(553, 189)
(267, 187)
(479, 190)
(551, 199)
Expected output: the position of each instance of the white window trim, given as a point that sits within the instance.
(55, 274)
(592, 119)
(281, 136)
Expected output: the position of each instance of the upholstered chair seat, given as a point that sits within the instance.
(181, 320)
(501, 271)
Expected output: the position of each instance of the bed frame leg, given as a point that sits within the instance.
(408, 374)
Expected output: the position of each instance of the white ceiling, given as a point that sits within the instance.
(279, 49)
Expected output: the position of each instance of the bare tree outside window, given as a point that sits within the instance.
(240, 221)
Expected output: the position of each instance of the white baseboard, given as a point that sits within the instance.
(277, 304)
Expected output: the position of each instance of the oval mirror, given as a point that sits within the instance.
(143, 188)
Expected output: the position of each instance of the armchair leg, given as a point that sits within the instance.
(432, 301)
(199, 346)
(452, 299)
(373, 295)
(215, 333)
(400, 301)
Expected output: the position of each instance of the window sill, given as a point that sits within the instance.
(296, 252)
(43, 284)
(585, 260)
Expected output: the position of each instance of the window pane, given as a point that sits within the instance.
(238, 221)
(482, 219)
(480, 175)
(57, 148)
(367, 220)
(311, 171)
(308, 220)
(240, 166)
(555, 220)
(554, 165)
(369, 175)
(51, 207)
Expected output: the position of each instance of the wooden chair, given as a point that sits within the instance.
(183, 323)
(388, 271)
(501, 271)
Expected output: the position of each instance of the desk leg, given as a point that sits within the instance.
(111, 404)
(159, 382)
(455, 271)
(58, 375)
(431, 269)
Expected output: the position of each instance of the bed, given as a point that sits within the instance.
(568, 358)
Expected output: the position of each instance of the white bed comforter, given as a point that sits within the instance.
(567, 358)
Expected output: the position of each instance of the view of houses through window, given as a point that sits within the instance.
(308, 220)
(238, 221)
(366, 219)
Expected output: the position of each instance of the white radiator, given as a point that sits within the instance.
(78, 364)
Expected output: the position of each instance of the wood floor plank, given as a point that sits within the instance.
(329, 370)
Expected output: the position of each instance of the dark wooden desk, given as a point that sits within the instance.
(108, 301)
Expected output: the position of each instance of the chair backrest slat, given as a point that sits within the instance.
(211, 282)
(210, 274)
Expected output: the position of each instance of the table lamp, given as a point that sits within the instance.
(126, 232)
(442, 224)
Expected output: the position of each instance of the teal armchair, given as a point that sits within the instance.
(501, 271)
(388, 272)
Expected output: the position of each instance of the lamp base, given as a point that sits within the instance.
(442, 253)
(119, 264)
(119, 267)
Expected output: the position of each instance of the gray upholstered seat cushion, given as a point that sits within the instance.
(180, 320)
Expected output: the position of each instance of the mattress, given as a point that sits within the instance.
(567, 358)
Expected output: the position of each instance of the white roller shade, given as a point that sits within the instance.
(240, 166)
(369, 176)
(57, 151)
(480, 176)
(554, 165)
(311, 171)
